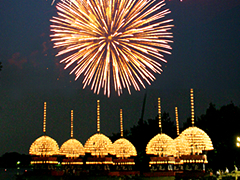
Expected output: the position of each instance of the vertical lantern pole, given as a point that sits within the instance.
(121, 123)
(98, 116)
(44, 117)
(159, 115)
(192, 106)
(71, 123)
(177, 123)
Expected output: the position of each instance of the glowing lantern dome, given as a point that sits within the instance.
(182, 146)
(161, 144)
(98, 144)
(72, 148)
(197, 139)
(44, 145)
(123, 148)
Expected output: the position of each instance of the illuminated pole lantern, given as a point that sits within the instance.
(123, 149)
(191, 143)
(163, 147)
(44, 146)
(197, 139)
(99, 146)
(72, 149)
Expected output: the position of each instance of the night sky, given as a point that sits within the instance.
(205, 57)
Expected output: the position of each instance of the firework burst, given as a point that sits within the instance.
(116, 43)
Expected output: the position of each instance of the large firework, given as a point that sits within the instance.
(110, 43)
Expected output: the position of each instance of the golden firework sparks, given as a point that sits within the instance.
(112, 41)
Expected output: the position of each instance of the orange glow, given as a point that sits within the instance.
(119, 41)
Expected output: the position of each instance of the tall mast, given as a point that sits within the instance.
(177, 123)
(159, 115)
(98, 116)
(71, 123)
(121, 123)
(192, 106)
(44, 117)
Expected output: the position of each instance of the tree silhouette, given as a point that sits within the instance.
(222, 127)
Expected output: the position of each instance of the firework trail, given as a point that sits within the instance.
(116, 43)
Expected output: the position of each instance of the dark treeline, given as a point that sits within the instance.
(11, 159)
(222, 126)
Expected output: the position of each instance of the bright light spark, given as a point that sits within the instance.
(112, 43)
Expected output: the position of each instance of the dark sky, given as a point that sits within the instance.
(205, 57)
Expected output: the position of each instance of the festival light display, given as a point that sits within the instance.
(44, 146)
(122, 147)
(112, 41)
(161, 144)
(72, 148)
(197, 140)
(98, 145)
